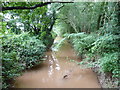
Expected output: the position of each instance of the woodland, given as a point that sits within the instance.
(28, 30)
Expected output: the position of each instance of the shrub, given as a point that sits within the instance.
(82, 42)
(110, 63)
(103, 50)
(19, 52)
(105, 44)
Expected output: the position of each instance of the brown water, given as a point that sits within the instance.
(58, 72)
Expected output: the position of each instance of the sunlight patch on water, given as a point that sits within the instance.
(50, 71)
(57, 67)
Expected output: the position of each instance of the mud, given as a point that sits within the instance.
(58, 71)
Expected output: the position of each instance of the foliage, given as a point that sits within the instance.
(36, 21)
(105, 44)
(80, 17)
(18, 53)
(56, 45)
(25, 36)
(82, 42)
(109, 63)
(93, 30)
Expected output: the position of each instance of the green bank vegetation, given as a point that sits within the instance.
(92, 28)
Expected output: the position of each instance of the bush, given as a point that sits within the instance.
(47, 39)
(106, 44)
(103, 50)
(110, 63)
(82, 42)
(18, 53)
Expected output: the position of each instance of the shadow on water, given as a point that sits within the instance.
(58, 72)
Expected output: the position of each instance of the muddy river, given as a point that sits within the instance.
(58, 71)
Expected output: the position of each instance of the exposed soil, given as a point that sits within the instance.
(105, 79)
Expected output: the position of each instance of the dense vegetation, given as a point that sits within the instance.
(92, 28)
(19, 52)
(94, 31)
(25, 36)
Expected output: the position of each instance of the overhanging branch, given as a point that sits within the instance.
(19, 7)
(33, 7)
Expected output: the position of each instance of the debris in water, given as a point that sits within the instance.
(65, 76)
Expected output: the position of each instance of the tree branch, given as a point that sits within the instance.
(19, 7)
(60, 7)
(33, 7)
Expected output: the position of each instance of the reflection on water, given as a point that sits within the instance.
(58, 72)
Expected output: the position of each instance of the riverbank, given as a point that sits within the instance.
(106, 80)
(58, 71)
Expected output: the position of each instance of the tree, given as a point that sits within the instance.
(33, 17)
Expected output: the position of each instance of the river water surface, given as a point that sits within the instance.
(58, 72)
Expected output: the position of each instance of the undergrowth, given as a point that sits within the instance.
(21, 52)
(97, 51)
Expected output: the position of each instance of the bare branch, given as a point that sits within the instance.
(19, 7)
(33, 7)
